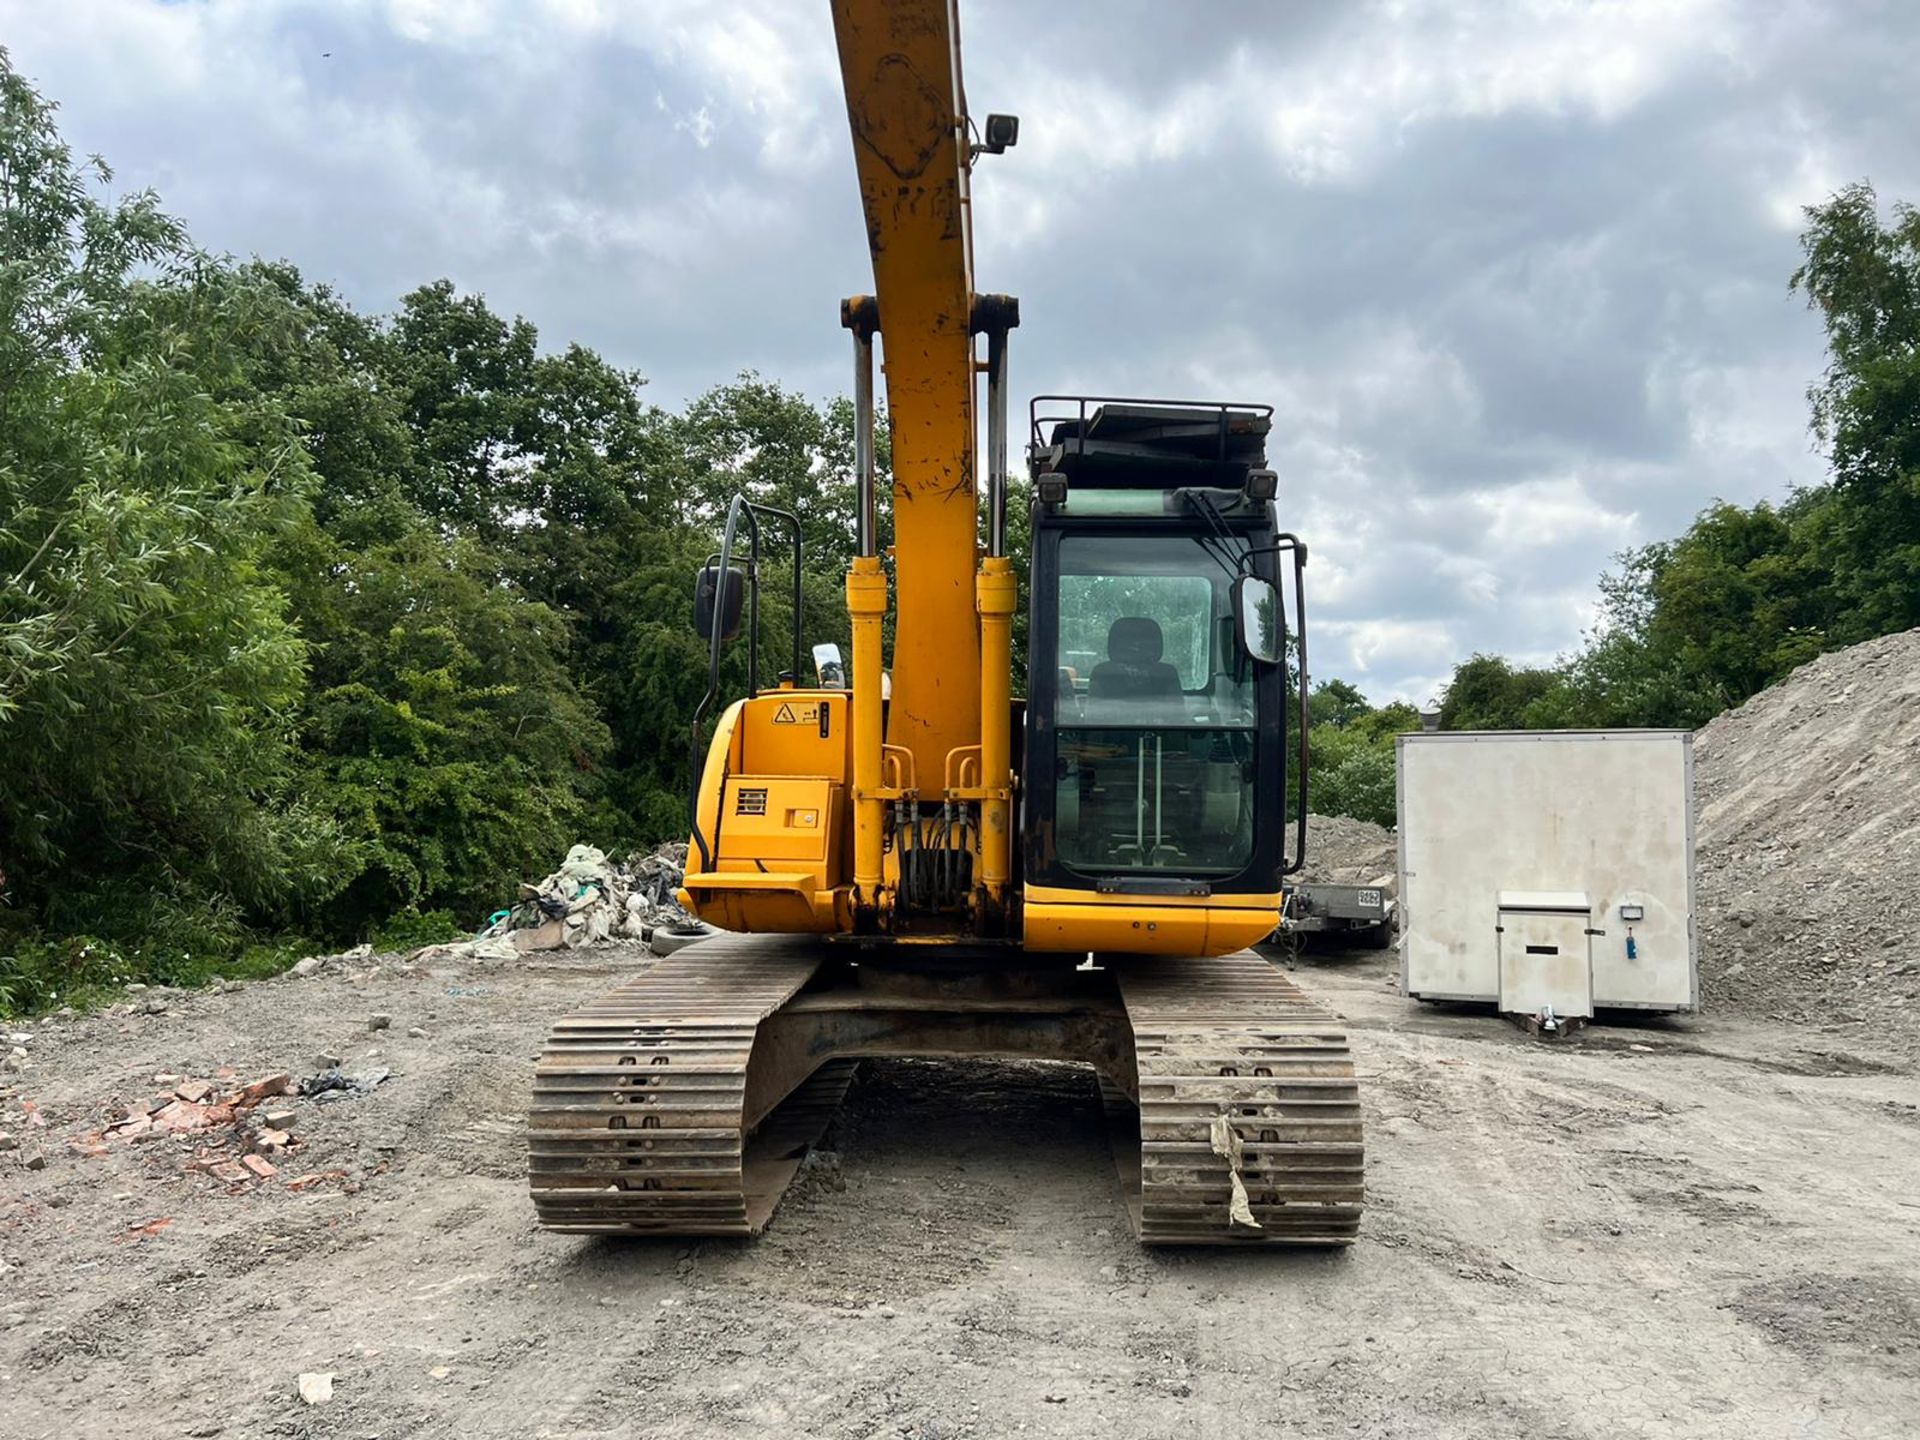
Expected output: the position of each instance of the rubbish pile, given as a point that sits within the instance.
(581, 903)
(589, 899)
(1808, 810)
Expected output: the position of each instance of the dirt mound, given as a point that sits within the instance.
(1345, 851)
(1808, 840)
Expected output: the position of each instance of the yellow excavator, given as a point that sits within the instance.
(915, 862)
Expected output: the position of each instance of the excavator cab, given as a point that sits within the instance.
(1156, 721)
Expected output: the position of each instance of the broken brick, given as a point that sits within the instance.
(184, 1115)
(259, 1166)
(194, 1092)
(281, 1084)
(307, 1182)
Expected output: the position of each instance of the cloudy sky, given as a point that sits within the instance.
(1514, 274)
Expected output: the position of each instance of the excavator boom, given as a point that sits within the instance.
(900, 64)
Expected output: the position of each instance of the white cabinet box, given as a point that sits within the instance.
(1548, 868)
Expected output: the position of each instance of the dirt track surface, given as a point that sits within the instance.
(1713, 1236)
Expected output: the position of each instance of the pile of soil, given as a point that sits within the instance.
(1808, 843)
(1345, 851)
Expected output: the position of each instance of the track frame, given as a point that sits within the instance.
(683, 1102)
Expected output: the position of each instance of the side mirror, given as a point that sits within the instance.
(1256, 604)
(829, 667)
(714, 600)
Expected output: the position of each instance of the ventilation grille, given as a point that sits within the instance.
(750, 802)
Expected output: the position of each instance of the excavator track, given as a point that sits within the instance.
(1244, 1084)
(683, 1102)
(639, 1123)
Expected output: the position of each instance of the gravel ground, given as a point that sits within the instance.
(1702, 1228)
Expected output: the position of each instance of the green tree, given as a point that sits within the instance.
(1863, 275)
(1336, 703)
(1487, 693)
(148, 670)
(444, 731)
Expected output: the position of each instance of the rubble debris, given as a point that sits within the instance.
(261, 1168)
(7, 1142)
(307, 1182)
(314, 964)
(379, 1022)
(1344, 851)
(199, 1108)
(316, 1388)
(496, 947)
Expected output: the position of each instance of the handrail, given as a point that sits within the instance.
(1086, 404)
(737, 508)
(1299, 549)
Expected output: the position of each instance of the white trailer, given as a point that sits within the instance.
(1548, 872)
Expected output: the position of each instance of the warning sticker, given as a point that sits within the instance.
(800, 715)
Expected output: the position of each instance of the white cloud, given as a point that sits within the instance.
(1536, 514)
(1512, 272)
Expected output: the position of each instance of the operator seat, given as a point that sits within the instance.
(1133, 669)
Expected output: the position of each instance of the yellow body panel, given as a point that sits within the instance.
(1078, 920)
(797, 732)
(773, 808)
(900, 64)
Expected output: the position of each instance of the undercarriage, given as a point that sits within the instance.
(683, 1102)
